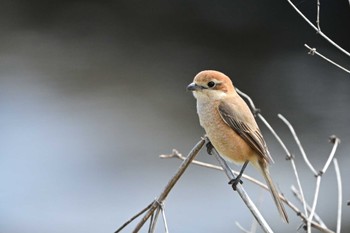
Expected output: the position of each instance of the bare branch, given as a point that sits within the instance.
(249, 203)
(158, 202)
(335, 140)
(298, 143)
(176, 154)
(289, 155)
(165, 222)
(298, 196)
(314, 203)
(317, 30)
(307, 218)
(313, 223)
(154, 221)
(133, 218)
(284, 199)
(313, 51)
(340, 194)
(318, 16)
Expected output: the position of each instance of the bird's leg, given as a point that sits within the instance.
(209, 147)
(237, 180)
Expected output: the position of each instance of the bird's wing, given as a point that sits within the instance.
(244, 126)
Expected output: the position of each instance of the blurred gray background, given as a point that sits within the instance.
(92, 92)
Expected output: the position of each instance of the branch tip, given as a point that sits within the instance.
(174, 154)
(333, 139)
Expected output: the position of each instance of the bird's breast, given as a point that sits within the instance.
(225, 140)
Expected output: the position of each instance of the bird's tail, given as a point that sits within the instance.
(274, 192)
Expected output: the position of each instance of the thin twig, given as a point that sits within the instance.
(307, 218)
(298, 196)
(133, 218)
(246, 199)
(165, 222)
(316, 29)
(178, 155)
(335, 140)
(251, 103)
(254, 226)
(313, 51)
(291, 129)
(304, 218)
(171, 183)
(155, 215)
(289, 155)
(314, 203)
(318, 16)
(151, 222)
(154, 221)
(340, 194)
(241, 227)
(283, 198)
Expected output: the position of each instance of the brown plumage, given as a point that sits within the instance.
(231, 126)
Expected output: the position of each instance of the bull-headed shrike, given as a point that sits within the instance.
(231, 127)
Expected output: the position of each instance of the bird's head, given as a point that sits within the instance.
(211, 84)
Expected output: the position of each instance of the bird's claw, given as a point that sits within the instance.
(209, 147)
(234, 183)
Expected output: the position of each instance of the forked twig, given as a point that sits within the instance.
(317, 29)
(296, 138)
(158, 202)
(335, 140)
(133, 218)
(171, 183)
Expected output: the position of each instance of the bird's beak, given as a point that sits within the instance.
(193, 87)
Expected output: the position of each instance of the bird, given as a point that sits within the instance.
(231, 128)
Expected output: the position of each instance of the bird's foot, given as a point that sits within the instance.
(234, 183)
(209, 147)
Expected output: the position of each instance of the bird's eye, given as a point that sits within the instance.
(211, 84)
